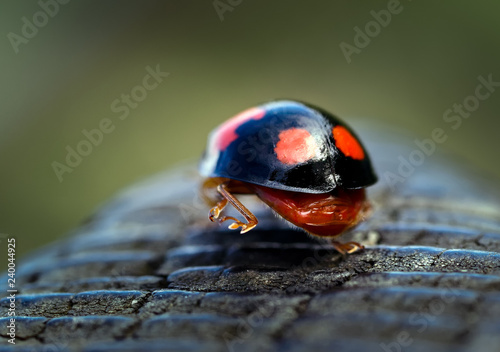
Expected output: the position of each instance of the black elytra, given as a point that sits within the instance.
(288, 145)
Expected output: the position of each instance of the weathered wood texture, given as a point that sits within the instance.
(148, 272)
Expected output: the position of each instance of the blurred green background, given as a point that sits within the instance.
(66, 76)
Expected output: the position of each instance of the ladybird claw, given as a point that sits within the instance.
(355, 247)
(247, 227)
(234, 226)
(348, 247)
(244, 227)
(214, 214)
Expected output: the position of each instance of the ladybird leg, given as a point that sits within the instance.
(215, 211)
(228, 197)
(347, 247)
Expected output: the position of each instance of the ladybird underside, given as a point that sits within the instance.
(226, 190)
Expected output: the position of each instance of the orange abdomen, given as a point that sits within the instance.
(324, 214)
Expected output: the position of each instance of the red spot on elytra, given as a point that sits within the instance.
(227, 132)
(347, 143)
(295, 146)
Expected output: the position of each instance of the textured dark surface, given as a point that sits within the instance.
(148, 272)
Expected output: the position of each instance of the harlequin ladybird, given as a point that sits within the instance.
(304, 163)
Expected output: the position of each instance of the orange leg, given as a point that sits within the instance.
(215, 212)
(347, 247)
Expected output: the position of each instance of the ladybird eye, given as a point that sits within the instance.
(347, 143)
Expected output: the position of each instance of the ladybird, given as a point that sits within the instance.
(303, 162)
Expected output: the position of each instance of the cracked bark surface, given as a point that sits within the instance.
(149, 272)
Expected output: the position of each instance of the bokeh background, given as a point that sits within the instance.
(66, 76)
